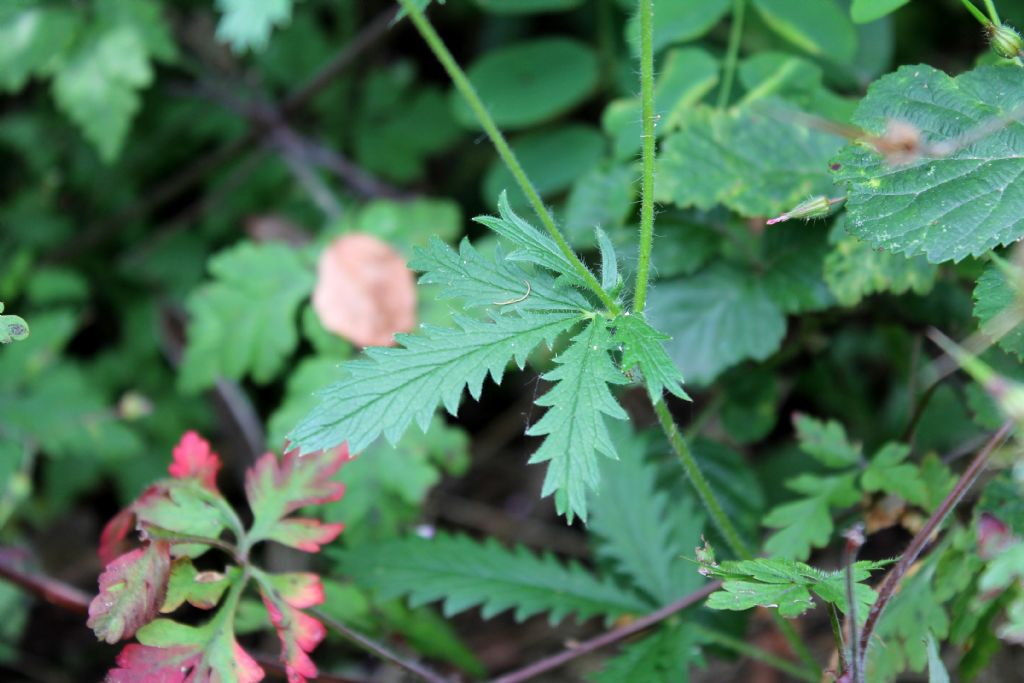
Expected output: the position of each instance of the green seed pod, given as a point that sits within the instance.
(1005, 41)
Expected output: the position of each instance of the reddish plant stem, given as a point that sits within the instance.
(413, 667)
(609, 638)
(55, 592)
(892, 580)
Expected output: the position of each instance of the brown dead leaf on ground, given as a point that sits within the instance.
(364, 291)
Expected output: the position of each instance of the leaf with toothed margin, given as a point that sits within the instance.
(276, 488)
(574, 426)
(132, 589)
(482, 281)
(531, 244)
(389, 388)
(465, 573)
(946, 207)
(285, 596)
(642, 348)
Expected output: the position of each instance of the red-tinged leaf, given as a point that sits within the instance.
(193, 459)
(299, 634)
(298, 589)
(132, 589)
(199, 589)
(144, 664)
(276, 488)
(182, 508)
(304, 534)
(112, 538)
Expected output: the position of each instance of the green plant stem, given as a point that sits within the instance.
(721, 520)
(977, 13)
(468, 92)
(647, 136)
(837, 635)
(732, 52)
(991, 7)
(738, 646)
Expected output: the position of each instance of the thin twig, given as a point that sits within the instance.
(892, 580)
(854, 541)
(609, 638)
(379, 650)
(55, 592)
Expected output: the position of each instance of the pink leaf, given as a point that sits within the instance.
(364, 291)
(285, 595)
(132, 589)
(144, 664)
(114, 533)
(193, 459)
(276, 488)
(303, 534)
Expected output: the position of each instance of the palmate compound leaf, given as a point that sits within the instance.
(389, 388)
(946, 206)
(574, 426)
(465, 573)
(285, 596)
(276, 488)
(479, 281)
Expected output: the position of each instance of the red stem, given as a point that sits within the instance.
(609, 638)
(55, 592)
(917, 544)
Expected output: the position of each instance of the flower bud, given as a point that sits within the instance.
(815, 207)
(1005, 41)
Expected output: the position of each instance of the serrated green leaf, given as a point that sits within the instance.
(807, 522)
(480, 281)
(643, 348)
(640, 533)
(552, 159)
(246, 24)
(948, 207)
(821, 27)
(888, 472)
(574, 426)
(864, 11)
(530, 82)
(826, 442)
(32, 42)
(678, 21)
(853, 270)
(244, 321)
(716, 318)
(753, 163)
(665, 656)
(999, 307)
(464, 573)
(685, 76)
(144, 18)
(98, 85)
(531, 244)
(384, 392)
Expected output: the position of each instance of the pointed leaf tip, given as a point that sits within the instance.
(193, 459)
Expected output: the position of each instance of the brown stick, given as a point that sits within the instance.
(892, 580)
(609, 638)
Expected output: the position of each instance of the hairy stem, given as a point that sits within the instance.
(732, 53)
(605, 639)
(892, 580)
(992, 13)
(837, 635)
(720, 519)
(508, 157)
(977, 13)
(372, 646)
(716, 637)
(646, 10)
